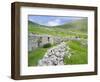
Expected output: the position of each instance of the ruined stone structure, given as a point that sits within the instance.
(35, 41)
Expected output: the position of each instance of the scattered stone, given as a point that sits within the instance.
(55, 55)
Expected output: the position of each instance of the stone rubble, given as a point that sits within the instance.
(55, 55)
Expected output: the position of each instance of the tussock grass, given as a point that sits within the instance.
(35, 56)
(79, 53)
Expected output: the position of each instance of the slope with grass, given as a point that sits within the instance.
(71, 29)
(78, 53)
(78, 25)
(35, 56)
(75, 28)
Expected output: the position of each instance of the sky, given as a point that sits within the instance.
(51, 20)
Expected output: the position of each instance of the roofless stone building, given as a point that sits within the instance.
(35, 40)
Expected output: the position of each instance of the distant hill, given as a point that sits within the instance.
(35, 24)
(78, 28)
(76, 25)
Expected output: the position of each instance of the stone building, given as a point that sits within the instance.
(35, 40)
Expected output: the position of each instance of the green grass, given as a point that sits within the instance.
(56, 31)
(80, 25)
(79, 53)
(76, 28)
(35, 56)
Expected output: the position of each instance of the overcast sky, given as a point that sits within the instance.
(52, 20)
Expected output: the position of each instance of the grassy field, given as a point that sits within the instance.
(35, 56)
(78, 51)
(68, 30)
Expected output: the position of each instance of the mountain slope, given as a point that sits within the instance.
(74, 28)
(80, 25)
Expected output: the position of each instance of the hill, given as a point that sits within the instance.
(71, 29)
(74, 28)
(80, 25)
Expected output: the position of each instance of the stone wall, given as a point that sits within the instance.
(58, 40)
(55, 55)
(35, 41)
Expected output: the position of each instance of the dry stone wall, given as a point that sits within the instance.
(55, 55)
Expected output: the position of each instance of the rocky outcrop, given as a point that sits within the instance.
(55, 55)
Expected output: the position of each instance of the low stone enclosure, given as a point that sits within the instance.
(35, 40)
(55, 55)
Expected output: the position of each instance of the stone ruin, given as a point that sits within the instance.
(35, 41)
(55, 56)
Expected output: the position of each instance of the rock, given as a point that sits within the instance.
(55, 55)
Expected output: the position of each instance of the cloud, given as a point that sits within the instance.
(54, 22)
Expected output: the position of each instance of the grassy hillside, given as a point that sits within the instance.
(80, 25)
(35, 56)
(75, 28)
(78, 53)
